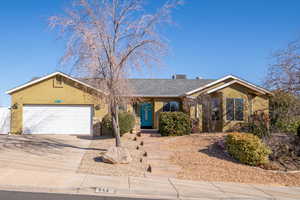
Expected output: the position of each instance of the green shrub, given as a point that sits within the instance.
(284, 112)
(258, 125)
(247, 148)
(258, 129)
(174, 124)
(288, 126)
(126, 122)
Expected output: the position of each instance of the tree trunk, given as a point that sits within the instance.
(115, 122)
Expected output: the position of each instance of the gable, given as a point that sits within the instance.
(46, 91)
(226, 82)
(55, 74)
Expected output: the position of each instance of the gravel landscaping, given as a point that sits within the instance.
(193, 157)
(91, 162)
(201, 159)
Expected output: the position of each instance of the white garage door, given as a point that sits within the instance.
(4, 120)
(56, 119)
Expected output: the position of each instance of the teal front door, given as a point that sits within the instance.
(146, 115)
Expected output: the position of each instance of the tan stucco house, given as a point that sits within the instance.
(61, 104)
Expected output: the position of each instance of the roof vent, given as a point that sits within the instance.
(179, 76)
(199, 77)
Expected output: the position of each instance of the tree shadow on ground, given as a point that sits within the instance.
(151, 132)
(214, 150)
(37, 145)
(89, 137)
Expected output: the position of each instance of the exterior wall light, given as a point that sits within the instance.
(15, 106)
(97, 107)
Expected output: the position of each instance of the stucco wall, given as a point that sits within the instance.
(234, 91)
(252, 103)
(45, 92)
(261, 104)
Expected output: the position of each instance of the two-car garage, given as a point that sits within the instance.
(56, 104)
(57, 119)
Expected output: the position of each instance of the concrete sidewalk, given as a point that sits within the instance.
(162, 188)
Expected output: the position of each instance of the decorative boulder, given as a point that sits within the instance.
(117, 155)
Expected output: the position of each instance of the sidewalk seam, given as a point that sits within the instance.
(173, 185)
(81, 184)
(217, 187)
(129, 186)
(257, 188)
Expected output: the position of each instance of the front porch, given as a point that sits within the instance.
(148, 110)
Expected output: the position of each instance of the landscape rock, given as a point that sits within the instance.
(117, 155)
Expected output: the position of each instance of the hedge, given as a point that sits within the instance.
(126, 122)
(174, 124)
(247, 148)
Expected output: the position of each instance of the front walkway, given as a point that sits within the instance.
(162, 188)
(157, 157)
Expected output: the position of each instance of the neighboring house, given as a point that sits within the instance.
(61, 104)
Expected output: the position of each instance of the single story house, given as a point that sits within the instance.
(61, 104)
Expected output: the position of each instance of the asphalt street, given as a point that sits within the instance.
(14, 195)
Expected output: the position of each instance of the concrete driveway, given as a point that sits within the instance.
(50, 153)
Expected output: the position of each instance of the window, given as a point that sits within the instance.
(123, 107)
(234, 109)
(215, 109)
(172, 106)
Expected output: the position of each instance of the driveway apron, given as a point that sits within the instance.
(53, 153)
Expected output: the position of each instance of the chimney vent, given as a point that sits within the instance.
(179, 76)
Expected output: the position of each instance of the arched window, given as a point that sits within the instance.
(171, 106)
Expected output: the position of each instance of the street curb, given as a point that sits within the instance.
(80, 191)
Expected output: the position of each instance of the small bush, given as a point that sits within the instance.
(247, 148)
(284, 112)
(174, 124)
(126, 122)
(285, 147)
(288, 126)
(258, 125)
(258, 129)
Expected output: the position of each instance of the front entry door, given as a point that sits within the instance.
(146, 115)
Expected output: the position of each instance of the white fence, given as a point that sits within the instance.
(4, 120)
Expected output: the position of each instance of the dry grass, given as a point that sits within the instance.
(200, 159)
(91, 162)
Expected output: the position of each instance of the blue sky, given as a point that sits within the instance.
(213, 38)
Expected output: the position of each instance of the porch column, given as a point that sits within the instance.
(157, 108)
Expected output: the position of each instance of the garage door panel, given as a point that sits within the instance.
(53, 119)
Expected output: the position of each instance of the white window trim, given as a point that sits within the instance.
(49, 76)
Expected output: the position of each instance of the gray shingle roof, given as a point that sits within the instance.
(166, 87)
(157, 87)
(160, 87)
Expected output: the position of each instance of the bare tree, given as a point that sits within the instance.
(108, 39)
(284, 74)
